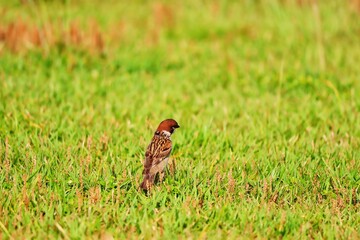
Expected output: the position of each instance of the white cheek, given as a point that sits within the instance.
(166, 133)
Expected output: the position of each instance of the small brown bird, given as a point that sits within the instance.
(158, 153)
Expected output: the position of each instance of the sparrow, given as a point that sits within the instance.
(158, 152)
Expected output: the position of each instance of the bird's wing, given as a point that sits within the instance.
(158, 150)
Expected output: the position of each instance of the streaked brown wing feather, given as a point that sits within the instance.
(158, 150)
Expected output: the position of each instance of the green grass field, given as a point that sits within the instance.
(266, 94)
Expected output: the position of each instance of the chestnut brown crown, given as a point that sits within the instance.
(168, 125)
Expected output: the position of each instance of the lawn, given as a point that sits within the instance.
(265, 92)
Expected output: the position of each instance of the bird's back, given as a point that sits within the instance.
(157, 152)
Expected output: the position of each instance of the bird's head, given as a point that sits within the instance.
(168, 125)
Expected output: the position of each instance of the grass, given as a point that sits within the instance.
(266, 94)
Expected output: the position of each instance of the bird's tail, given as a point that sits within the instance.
(147, 182)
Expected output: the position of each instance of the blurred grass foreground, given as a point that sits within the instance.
(266, 93)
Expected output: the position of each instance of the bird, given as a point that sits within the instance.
(157, 153)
